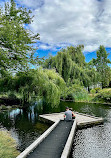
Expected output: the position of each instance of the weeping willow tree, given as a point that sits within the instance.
(77, 55)
(70, 64)
(45, 84)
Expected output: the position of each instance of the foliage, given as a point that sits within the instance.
(92, 91)
(79, 93)
(93, 76)
(62, 76)
(97, 89)
(12, 96)
(3, 107)
(15, 40)
(104, 95)
(102, 67)
(6, 83)
(77, 55)
(45, 84)
(70, 64)
(7, 146)
(75, 93)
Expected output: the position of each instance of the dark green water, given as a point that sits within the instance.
(92, 142)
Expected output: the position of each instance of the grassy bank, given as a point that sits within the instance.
(103, 96)
(76, 94)
(7, 146)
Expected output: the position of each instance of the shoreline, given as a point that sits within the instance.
(85, 102)
(4, 106)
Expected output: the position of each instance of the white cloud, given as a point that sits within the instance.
(52, 47)
(74, 22)
(44, 46)
(91, 48)
(71, 22)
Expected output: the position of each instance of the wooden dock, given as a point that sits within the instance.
(82, 120)
(39, 146)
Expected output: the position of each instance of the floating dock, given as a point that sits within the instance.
(57, 140)
(83, 120)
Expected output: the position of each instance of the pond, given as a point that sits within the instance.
(93, 142)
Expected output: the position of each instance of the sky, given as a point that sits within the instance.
(63, 23)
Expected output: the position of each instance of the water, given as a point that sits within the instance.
(94, 142)
(23, 126)
(91, 142)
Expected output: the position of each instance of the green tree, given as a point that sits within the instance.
(16, 49)
(70, 64)
(45, 84)
(102, 67)
(77, 55)
(92, 73)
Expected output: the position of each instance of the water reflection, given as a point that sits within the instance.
(23, 125)
(25, 128)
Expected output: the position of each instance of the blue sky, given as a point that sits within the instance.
(62, 23)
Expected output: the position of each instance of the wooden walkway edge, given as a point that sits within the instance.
(38, 141)
(82, 120)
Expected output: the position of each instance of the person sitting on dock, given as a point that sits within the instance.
(68, 114)
(73, 116)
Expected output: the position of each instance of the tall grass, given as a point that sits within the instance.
(81, 96)
(7, 146)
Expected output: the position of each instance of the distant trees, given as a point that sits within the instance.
(102, 67)
(16, 41)
(70, 64)
(62, 76)
(77, 55)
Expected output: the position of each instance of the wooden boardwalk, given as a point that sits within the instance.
(57, 140)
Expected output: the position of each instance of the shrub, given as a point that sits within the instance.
(92, 91)
(104, 95)
(81, 96)
(69, 97)
(75, 93)
(12, 96)
(97, 89)
(3, 107)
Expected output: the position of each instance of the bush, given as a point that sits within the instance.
(97, 89)
(104, 95)
(3, 107)
(81, 96)
(12, 96)
(75, 93)
(92, 91)
(70, 97)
